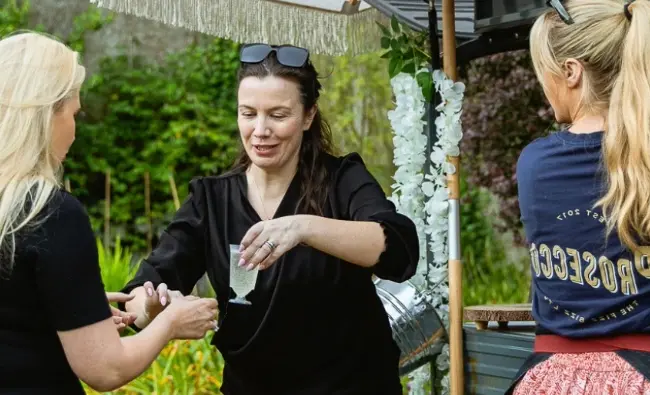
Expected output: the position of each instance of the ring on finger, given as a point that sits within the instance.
(270, 244)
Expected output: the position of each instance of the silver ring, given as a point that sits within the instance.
(271, 244)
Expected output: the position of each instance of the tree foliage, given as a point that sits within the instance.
(356, 98)
(176, 118)
(505, 110)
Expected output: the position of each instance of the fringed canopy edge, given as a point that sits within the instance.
(263, 21)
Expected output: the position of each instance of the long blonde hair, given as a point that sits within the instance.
(615, 54)
(37, 75)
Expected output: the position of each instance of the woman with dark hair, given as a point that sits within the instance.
(312, 227)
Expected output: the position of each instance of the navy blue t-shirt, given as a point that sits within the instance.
(585, 282)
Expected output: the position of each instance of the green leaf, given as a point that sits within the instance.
(408, 54)
(395, 66)
(395, 45)
(394, 24)
(385, 42)
(386, 55)
(421, 52)
(409, 67)
(383, 29)
(426, 83)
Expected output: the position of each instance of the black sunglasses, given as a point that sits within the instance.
(562, 12)
(287, 55)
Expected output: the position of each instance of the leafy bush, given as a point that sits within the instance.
(356, 109)
(490, 275)
(505, 109)
(183, 368)
(172, 119)
(116, 265)
(13, 16)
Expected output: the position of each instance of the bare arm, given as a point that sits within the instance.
(357, 242)
(370, 232)
(137, 307)
(103, 360)
(146, 302)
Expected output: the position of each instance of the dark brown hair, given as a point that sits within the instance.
(316, 141)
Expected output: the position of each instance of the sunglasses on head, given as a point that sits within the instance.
(562, 12)
(287, 55)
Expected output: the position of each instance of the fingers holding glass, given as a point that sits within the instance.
(262, 254)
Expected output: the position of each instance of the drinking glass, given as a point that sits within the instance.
(242, 281)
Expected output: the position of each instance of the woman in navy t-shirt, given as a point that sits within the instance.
(584, 194)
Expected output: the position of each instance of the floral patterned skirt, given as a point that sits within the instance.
(602, 373)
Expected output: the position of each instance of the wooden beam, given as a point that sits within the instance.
(456, 368)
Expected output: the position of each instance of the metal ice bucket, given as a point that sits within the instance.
(416, 326)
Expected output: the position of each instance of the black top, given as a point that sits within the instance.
(316, 325)
(55, 286)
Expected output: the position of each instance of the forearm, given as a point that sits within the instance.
(139, 351)
(357, 242)
(104, 361)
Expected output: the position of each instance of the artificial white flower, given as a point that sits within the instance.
(422, 194)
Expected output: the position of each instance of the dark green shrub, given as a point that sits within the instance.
(175, 118)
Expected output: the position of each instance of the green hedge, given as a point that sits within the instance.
(177, 118)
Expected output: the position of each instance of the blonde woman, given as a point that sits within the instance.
(584, 194)
(55, 322)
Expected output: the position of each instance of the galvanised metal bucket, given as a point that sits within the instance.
(417, 328)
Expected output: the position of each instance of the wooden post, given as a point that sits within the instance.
(147, 210)
(172, 186)
(456, 371)
(107, 208)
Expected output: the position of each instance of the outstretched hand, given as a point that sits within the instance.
(266, 241)
(121, 319)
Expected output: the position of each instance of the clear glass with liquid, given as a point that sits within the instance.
(242, 281)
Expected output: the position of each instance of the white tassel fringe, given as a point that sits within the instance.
(263, 21)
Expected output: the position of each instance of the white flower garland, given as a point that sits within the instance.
(424, 197)
(409, 148)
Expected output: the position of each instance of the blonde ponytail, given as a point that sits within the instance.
(38, 75)
(615, 53)
(626, 149)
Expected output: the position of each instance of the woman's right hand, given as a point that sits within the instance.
(191, 317)
(157, 299)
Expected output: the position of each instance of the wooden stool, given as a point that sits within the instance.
(499, 313)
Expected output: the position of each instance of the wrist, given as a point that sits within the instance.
(166, 320)
(137, 306)
(304, 226)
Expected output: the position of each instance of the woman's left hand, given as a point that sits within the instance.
(121, 319)
(267, 241)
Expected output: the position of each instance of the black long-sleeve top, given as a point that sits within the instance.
(316, 325)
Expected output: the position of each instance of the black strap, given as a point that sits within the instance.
(639, 360)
